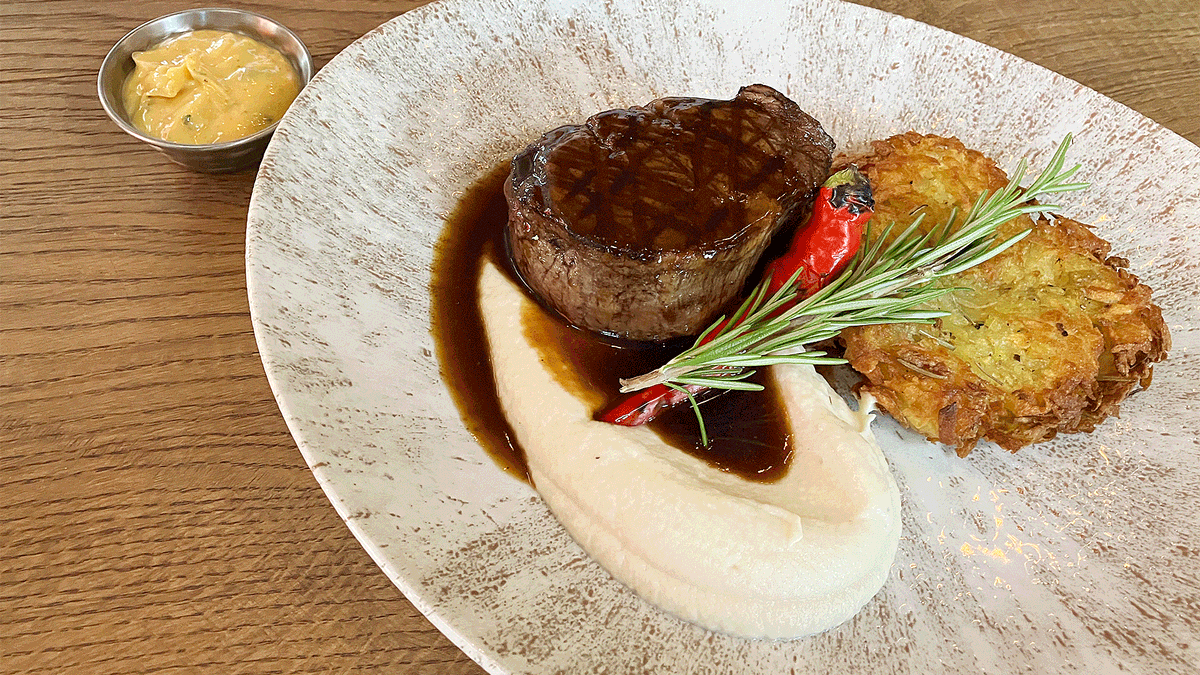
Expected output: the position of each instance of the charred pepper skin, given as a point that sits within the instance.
(820, 250)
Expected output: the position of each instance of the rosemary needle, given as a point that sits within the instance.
(884, 283)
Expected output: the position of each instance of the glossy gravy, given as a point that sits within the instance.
(682, 173)
(748, 431)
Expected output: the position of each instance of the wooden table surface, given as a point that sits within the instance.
(158, 517)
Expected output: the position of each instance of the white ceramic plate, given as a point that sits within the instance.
(1077, 555)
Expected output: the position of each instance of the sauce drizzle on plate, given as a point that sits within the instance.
(748, 431)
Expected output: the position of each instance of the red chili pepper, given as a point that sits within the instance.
(820, 249)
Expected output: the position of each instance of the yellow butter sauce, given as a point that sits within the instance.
(208, 86)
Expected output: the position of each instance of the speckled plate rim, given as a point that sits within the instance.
(312, 455)
(297, 409)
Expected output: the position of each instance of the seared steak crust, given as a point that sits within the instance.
(644, 223)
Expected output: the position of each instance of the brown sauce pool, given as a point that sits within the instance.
(748, 432)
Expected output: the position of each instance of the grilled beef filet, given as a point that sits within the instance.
(644, 223)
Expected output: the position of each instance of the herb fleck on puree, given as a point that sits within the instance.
(208, 86)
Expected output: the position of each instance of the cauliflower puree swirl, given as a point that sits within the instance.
(776, 560)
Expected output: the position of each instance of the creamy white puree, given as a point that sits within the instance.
(759, 560)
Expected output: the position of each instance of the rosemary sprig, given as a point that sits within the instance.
(884, 283)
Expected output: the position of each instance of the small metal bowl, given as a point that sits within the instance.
(213, 157)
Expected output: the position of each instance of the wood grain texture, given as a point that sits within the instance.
(159, 518)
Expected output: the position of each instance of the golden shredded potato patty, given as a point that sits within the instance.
(1049, 336)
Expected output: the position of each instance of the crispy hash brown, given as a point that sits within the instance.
(1047, 337)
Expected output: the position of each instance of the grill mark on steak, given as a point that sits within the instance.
(644, 223)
